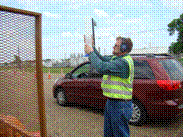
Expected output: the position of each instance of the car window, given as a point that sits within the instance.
(94, 74)
(141, 67)
(83, 69)
(92, 69)
(173, 68)
(142, 70)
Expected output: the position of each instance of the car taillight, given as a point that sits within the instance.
(171, 102)
(169, 84)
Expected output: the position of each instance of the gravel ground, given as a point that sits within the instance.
(80, 121)
(19, 97)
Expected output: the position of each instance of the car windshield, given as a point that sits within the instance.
(173, 68)
(83, 69)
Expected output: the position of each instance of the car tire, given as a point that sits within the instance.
(61, 97)
(139, 115)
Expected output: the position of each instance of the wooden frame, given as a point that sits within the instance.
(39, 69)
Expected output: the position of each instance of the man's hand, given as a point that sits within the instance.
(62, 74)
(88, 49)
(92, 40)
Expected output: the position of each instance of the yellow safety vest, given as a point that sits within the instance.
(116, 87)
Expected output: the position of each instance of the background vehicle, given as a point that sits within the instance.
(157, 87)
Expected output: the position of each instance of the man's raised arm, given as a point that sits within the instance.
(103, 58)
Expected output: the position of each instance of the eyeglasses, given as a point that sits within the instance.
(123, 39)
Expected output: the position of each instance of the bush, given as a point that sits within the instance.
(181, 60)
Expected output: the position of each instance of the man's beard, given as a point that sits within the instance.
(114, 53)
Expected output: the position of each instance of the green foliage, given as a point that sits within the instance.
(45, 69)
(47, 60)
(6, 64)
(181, 60)
(176, 25)
(57, 70)
(17, 61)
(176, 47)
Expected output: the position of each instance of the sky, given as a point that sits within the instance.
(63, 23)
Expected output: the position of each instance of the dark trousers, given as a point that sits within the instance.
(116, 118)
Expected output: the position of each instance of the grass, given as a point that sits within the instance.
(53, 70)
(45, 69)
(58, 70)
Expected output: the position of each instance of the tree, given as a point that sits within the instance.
(78, 55)
(71, 56)
(17, 61)
(176, 48)
(176, 25)
(81, 54)
(6, 64)
(47, 60)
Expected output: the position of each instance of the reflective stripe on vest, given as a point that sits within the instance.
(117, 91)
(117, 83)
(116, 87)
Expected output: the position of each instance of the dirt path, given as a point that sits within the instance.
(19, 97)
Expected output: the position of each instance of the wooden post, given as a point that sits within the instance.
(39, 71)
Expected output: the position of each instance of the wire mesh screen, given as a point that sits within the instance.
(18, 69)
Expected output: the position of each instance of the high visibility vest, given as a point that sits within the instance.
(116, 87)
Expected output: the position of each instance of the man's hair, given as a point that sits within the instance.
(126, 41)
(129, 43)
(119, 37)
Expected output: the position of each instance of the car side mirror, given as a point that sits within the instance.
(68, 75)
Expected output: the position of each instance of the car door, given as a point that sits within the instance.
(144, 81)
(80, 83)
(95, 93)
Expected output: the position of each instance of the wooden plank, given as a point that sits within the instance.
(20, 11)
(9, 128)
(39, 74)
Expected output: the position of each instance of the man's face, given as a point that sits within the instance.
(117, 46)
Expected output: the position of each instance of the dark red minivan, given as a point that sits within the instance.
(157, 87)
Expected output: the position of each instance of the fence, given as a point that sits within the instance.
(21, 91)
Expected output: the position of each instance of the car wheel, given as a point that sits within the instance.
(139, 114)
(61, 97)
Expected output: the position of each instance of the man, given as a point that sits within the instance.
(117, 85)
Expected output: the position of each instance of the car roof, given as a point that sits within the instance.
(151, 55)
(144, 56)
(148, 55)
